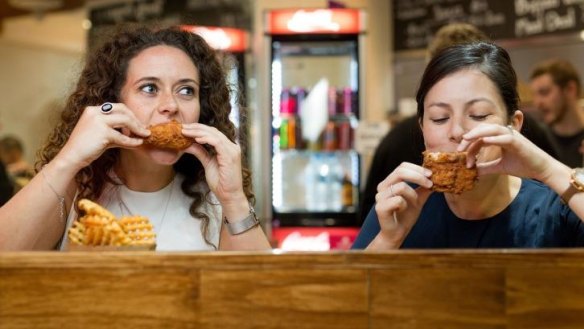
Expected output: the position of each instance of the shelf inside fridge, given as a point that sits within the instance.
(317, 182)
(317, 219)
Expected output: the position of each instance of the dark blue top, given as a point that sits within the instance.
(536, 218)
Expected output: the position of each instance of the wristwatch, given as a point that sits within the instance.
(576, 185)
(243, 225)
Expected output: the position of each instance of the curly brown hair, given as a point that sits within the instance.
(454, 34)
(101, 80)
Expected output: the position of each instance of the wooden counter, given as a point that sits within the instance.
(404, 289)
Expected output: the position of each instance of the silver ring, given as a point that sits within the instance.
(106, 108)
(511, 130)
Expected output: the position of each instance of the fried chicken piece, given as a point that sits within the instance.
(168, 136)
(449, 171)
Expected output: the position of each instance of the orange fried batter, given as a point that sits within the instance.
(449, 171)
(168, 136)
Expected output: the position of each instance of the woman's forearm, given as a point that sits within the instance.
(35, 217)
(558, 179)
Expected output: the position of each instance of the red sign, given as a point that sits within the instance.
(220, 38)
(314, 21)
(314, 238)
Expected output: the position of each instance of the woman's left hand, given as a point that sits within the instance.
(519, 156)
(223, 169)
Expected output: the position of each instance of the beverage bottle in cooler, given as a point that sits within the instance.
(284, 134)
(287, 102)
(300, 142)
(300, 96)
(292, 137)
(339, 106)
(334, 184)
(345, 134)
(332, 101)
(321, 185)
(347, 101)
(330, 137)
(347, 192)
(311, 173)
(344, 128)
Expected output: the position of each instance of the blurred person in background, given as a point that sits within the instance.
(405, 143)
(555, 84)
(6, 185)
(12, 155)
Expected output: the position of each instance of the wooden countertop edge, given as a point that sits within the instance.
(269, 259)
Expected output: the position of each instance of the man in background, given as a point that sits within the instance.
(556, 91)
(6, 184)
(6, 187)
(405, 143)
(12, 155)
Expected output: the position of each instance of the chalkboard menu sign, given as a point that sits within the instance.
(415, 21)
(219, 13)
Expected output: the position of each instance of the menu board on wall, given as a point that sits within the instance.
(223, 13)
(415, 21)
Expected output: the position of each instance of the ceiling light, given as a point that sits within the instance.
(38, 7)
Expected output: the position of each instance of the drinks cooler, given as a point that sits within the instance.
(315, 109)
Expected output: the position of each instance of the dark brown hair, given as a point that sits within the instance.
(488, 58)
(102, 79)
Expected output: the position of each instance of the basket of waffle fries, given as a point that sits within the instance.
(97, 229)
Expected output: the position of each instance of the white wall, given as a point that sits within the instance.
(39, 62)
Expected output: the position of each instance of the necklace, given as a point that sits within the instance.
(125, 209)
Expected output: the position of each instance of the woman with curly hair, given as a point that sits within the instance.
(197, 198)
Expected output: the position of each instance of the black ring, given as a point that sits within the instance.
(106, 108)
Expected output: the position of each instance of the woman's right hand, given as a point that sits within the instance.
(96, 132)
(398, 204)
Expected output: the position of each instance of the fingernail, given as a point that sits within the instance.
(427, 172)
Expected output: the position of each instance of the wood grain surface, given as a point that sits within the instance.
(401, 289)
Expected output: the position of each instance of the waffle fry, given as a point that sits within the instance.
(139, 229)
(76, 233)
(99, 227)
(93, 221)
(118, 236)
(135, 223)
(92, 208)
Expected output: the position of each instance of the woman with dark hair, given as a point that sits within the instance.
(468, 101)
(198, 198)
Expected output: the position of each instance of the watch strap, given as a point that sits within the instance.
(575, 186)
(243, 225)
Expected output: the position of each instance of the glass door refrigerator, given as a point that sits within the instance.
(315, 108)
